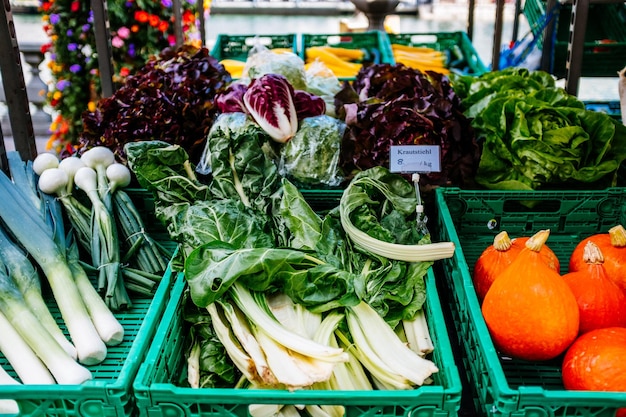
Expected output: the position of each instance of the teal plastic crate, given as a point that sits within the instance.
(158, 395)
(109, 393)
(460, 53)
(375, 44)
(237, 47)
(604, 49)
(471, 219)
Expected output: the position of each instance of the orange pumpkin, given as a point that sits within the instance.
(595, 361)
(530, 311)
(493, 260)
(601, 301)
(498, 256)
(613, 248)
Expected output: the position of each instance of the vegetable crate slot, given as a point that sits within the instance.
(237, 47)
(459, 54)
(471, 219)
(109, 392)
(158, 393)
(345, 53)
(604, 48)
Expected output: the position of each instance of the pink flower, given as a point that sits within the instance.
(123, 32)
(117, 42)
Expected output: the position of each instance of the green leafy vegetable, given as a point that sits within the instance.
(535, 135)
(311, 157)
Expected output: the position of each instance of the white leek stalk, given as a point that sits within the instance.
(62, 366)
(27, 280)
(108, 327)
(21, 357)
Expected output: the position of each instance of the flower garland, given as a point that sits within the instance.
(139, 29)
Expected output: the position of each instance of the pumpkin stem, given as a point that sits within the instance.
(592, 254)
(502, 242)
(536, 241)
(618, 236)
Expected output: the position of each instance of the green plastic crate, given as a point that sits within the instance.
(375, 44)
(471, 219)
(109, 394)
(459, 50)
(604, 50)
(158, 395)
(237, 47)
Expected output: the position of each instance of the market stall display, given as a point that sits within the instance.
(471, 219)
(304, 277)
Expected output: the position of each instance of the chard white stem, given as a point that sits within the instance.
(387, 345)
(284, 364)
(260, 318)
(23, 360)
(417, 334)
(241, 329)
(240, 358)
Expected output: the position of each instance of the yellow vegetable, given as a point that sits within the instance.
(233, 66)
(330, 59)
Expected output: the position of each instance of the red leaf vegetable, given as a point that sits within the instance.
(171, 98)
(396, 105)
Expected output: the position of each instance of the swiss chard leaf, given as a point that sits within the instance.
(239, 164)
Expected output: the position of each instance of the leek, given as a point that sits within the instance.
(108, 327)
(32, 233)
(26, 364)
(27, 279)
(62, 366)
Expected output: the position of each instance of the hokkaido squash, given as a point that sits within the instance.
(602, 303)
(498, 256)
(530, 312)
(595, 361)
(613, 248)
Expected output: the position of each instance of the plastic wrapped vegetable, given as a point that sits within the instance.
(262, 60)
(311, 157)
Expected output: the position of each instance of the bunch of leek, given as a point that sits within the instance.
(39, 230)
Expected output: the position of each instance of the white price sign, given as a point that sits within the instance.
(415, 158)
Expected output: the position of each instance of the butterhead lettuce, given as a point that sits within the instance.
(535, 135)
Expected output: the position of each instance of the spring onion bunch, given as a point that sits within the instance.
(107, 223)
